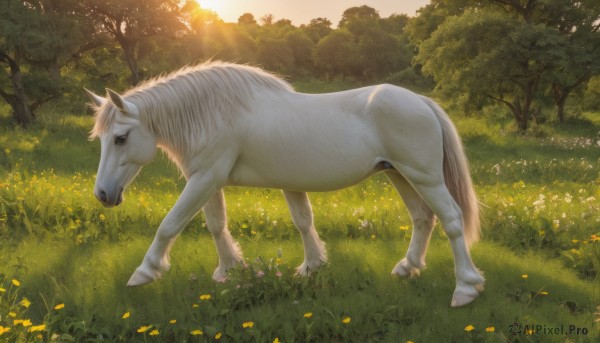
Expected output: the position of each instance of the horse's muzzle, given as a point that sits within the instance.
(108, 201)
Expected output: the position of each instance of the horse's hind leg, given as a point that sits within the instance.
(302, 216)
(228, 250)
(432, 189)
(423, 221)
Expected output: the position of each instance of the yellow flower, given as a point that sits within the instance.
(16, 282)
(247, 325)
(26, 323)
(102, 217)
(205, 297)
(346, 320)
(154, 332)
(172, 321)
(59, 306)
(525, 276)
(144, 328)
(126, 315)
(490, 329)
(410, 342)
(37, 328)
(12, 314)
(276, 340)
(404, 227)
(469, 328)
(195, 306)
(218, 335)
(2, 290)
(308, 315)
(3, 330)
(544, 293)
(595, 238)
(197, 332)
(574, 241)
(25, 303)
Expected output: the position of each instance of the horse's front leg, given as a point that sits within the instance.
(196, 193)
(302, 216)
(228, 250)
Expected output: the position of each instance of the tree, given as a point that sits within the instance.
(363, 12)
(37, 38)
(247, 19)
(129, 22)
(337, 54)
(317, 29)
(486, 54)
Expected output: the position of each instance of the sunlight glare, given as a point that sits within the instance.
(213, 5)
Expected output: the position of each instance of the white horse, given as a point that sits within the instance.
(234, 125)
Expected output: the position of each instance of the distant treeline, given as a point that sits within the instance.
(525, 54)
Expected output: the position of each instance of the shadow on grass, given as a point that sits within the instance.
(356, 284)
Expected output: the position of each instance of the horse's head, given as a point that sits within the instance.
(125, 146)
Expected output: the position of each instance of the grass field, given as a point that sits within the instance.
(64, 259)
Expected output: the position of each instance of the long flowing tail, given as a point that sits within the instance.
(456, 174)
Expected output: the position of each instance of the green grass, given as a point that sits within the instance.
(356, 283)
(540, 218)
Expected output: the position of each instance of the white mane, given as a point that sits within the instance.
(181, 107)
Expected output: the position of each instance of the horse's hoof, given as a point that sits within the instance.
(464, 295)
(405, 269)
(141, 277)
(219, 275)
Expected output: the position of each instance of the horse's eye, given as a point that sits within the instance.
(120, 140)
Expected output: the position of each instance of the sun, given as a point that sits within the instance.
(213, 5)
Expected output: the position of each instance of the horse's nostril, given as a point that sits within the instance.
(103, 196)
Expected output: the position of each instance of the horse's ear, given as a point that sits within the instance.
(123, 105)
(96, 99)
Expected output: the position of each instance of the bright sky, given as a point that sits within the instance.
(302, 11)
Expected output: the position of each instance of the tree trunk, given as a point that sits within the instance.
(18, 101)
(129, 50)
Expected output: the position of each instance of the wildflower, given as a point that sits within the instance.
(195, 305)
(525, 276)
(16, 282)
(544, 293)
(574, 241)
(278, 274)
(205, 297)
(197, 332)
(469, 328)
(260, 273)
(143, 329)
(12, 314)
(102, 217)
(25, 303)
(404, 227)
(276, 340)
(59, 306)
(218, 335)
(2, 290)
(126, 315)
(3, 330)
(37, 328)
(490, 329)
(308, 315)
(346, 320)
(24, 322)
(595, 238)
(172, 321)
(154, 332)
(247, 325)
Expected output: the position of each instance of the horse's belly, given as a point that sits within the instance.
(309, 177)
